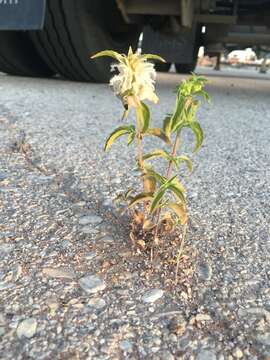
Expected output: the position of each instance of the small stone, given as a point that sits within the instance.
(206, 355)
(53, 304)
(89, 230)
(203, 317)
(152, 295)
(5, 285)
(3, 176)
(59, 273)
(264, 339)
(177, 326)
(90, 255)
(97, 303)
(2, 331)
(90, 219)
(92, 284)
(238, 353)
(5, 248)
(125, 346)
(166, 355)
(27, 328)
(107, 239)
(205, 271)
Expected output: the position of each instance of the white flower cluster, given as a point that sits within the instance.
(135, 80)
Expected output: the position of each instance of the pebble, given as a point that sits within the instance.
(125, 346)
(90, 255)
(97, 303)
(89, 230)
(92, 284)
(206, 355)
(27, 328)
(238, 353)
(5, 285)
(6, 248)
(205, 271)
(166, 355)
(107, 239)
(59, 273)
(264, 339)
(152, 295)
(3, 176)
(90, 219)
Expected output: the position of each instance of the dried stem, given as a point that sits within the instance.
(180, 251)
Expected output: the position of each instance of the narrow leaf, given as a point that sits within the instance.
(140, 197)
(160, 179)
(153, 57)
(159, 133)
(187, 160)
(122, 130)
(198, 132)
(131, 137)
(178, 192)
(157, 153)
(180, 211)
(158, 197)
(110, 53)
(167, 125)
(145, 117)
(149, 184)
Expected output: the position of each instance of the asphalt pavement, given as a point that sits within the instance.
(72, 286)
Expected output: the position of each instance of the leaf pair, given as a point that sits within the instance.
(176, 160)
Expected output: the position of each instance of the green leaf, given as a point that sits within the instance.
(150, 172)
(140, 197)
(167, 125)
(153, 57)
(180, 210)
(128, 193)
(178, 190)
(110, 53)
(145, 117)
(157, 198)
(131, 137)
(159, 133)
(122, 130)
(187, 160)
(198, 132)
(160, 193)
(157, 153)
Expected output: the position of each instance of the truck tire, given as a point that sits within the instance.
(185, 68)
(18, 55)
(75, 30)
(163, 67)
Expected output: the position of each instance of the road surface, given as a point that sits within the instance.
(71, 285)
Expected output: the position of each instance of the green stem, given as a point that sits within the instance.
(139, 138)
(168, 175)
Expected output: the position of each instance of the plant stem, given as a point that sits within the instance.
(168, 175)
(139, 138)
(180, 251)
(139, 144)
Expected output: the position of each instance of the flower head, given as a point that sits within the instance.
(136, 76)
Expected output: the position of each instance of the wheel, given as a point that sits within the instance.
(75, 30)
(185, 68)
(163, 67)
(189, 67)
(18, 55)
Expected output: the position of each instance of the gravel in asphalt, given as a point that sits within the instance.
(71, 285)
